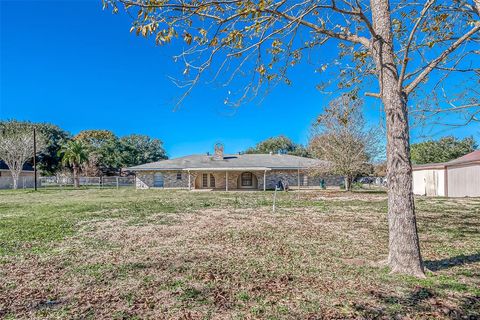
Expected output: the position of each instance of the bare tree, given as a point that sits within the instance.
(16, 146)
(398, 45)
(341, 136)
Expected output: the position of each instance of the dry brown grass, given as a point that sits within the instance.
(227, 256)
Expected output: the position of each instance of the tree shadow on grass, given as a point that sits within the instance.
(436, 265)
(420, 302)
(437, 300)
(370, 191)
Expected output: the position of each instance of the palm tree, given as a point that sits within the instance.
(74, 153)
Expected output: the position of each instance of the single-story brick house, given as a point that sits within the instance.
(230, 172)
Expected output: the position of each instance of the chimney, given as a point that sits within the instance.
(218, 155)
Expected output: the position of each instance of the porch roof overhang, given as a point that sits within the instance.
(229, 169)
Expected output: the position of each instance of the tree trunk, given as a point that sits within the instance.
(15, 176)
(404, 250)
(348, 183)
(76, 180)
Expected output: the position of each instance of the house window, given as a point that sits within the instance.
(179, 176)
(205, 180)
(158, 180)
(247, 180)
(212, 181)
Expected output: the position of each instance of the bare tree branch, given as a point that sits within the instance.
(346, 37)
(427, 6)
(433, 64)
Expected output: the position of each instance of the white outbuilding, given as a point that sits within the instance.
(456, 178)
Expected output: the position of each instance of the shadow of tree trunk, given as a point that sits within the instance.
(436, 265)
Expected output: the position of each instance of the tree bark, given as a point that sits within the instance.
(404, 250)
(348, 183)
(15, 176)
(76, 180)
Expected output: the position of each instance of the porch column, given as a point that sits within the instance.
(226, 180)
(189, 181)
(298, 179)
(264, 180)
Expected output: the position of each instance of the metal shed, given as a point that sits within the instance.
(456, 178)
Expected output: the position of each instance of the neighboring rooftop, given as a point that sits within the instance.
(471, 157)
(468, 158)
(234, 161)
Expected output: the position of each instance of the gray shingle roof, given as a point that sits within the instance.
(260, 161)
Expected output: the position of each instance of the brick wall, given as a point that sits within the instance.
(145, 179)
(306, 180)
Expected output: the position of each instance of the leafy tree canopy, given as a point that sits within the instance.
(108, 153)
(138, 149)
(105, 152)
(103, 145)
(442, 150)
(280, 144)
(49, 162)
(95, 138)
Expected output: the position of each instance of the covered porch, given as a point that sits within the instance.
(248, 178)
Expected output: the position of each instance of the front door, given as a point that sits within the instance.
(247, 180)
(208, 180)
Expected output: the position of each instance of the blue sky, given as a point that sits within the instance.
(75, 65)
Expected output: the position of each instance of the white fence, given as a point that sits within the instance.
(23, 182)
(96, 182)
(64, 182)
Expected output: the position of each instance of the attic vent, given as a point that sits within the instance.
(218, 152)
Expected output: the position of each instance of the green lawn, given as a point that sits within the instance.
(126, 254)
